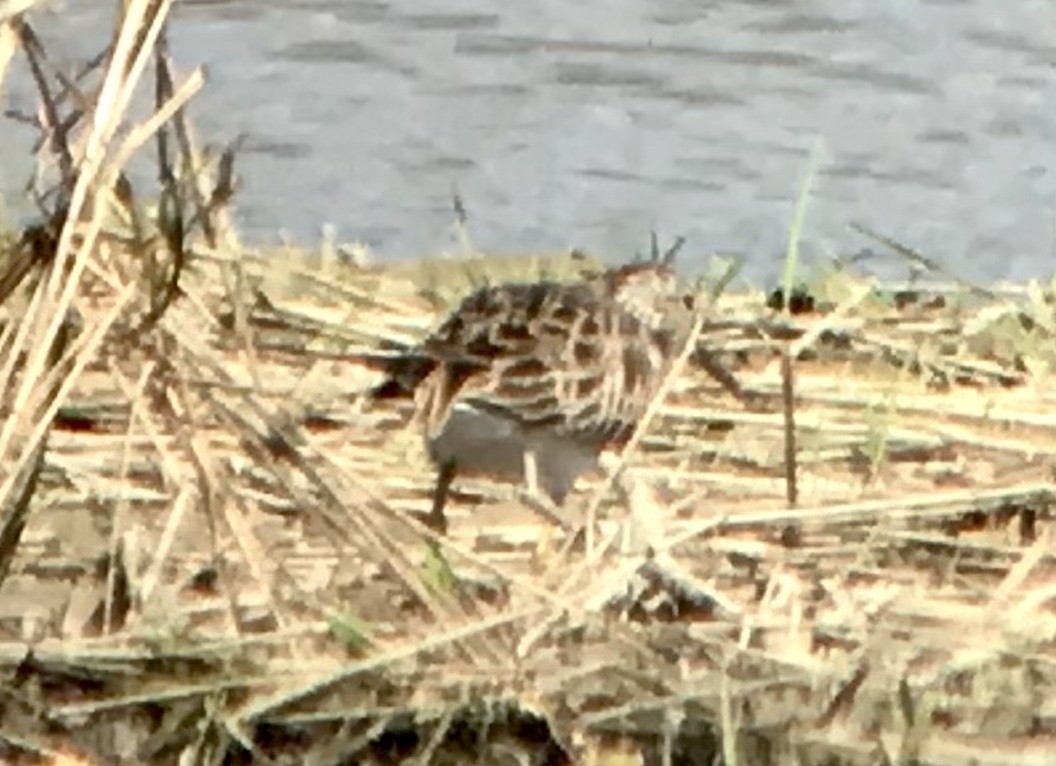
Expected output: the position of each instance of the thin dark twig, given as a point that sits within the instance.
(669, 255)
(459, 206)
(71, 86)
(54, 127)
(183, 140)
(788, 397)
(36, 248)
(225, 186)
(919, 259)
(163, 91)
(65, 127)
(707, 360)
(182, 133)
(176, 225)
(16, 115)
(171, 219)
(844, 697)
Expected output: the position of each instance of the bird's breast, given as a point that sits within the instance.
(486, 443)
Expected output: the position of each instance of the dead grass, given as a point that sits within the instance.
(210, 548)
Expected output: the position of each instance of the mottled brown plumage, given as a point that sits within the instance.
(530, 382)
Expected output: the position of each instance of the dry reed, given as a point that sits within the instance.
(211, 550)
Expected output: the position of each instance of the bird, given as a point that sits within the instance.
(530, 382)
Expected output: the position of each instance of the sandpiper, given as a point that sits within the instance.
(530, 383)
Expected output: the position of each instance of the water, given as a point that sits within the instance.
(590, 124)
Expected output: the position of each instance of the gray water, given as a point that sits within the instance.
(588, 124)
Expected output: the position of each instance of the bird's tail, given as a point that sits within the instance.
(403, 372)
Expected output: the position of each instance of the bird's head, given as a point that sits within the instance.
(651, 291)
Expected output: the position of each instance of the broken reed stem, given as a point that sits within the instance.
(77, 357)
(23, 478)
(13, 517)
(37, 349)
(164, 113)
(788, 400)
(120, 509)
(632, 444)
(123, 72)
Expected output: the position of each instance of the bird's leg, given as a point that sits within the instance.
(531, 471)
(534, 498)
(643, 530)
(444, 476)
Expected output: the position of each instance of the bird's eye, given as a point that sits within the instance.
(688, 302)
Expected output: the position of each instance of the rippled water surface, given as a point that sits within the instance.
(591, 123)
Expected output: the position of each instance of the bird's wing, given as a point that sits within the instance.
(503, 321)
(548, 355)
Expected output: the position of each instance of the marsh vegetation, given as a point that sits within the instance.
(211, 549)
